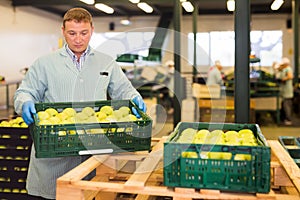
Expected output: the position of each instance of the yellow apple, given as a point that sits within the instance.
(226, 155)
(101, 115)
(70, 112)
(118, 114)
(243, 132)
(5, 124)
(239, 157)
(108, 110)
(19, 120)
(51, 111)
(214, 155)
(91, 119)
(111, 118)
(62, 133)
(192, 155)
(45, 122)
(23, 125)
(132, 117)
(202, 133)
(62, 116)
(80, 117)
(42, 115)
(89, 111)
(72, 132)
(124, 110)
(54, 120)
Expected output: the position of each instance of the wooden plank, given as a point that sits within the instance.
(64, 192)
(90, 194)
(287, 162)
(281, 178)
(184, 191)
(83, 169)
(76, 174)
(270, 195)
(141, 175)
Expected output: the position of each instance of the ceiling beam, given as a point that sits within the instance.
(46, 2)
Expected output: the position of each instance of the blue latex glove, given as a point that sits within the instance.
(28, 110)
(138, 101)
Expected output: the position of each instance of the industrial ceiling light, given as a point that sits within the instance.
(134, 1)
(125, 22)
(89, 2)
(276, 4)
(145, 7)
(188, 7)
(230, 5)
(104, 8)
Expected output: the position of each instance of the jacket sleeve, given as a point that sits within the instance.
(120, 87)
(31, 88)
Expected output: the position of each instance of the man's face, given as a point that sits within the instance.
(77, 35)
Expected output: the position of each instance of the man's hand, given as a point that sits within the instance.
(138, 101)
(28, 110)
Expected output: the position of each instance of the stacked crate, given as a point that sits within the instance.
(15, 145)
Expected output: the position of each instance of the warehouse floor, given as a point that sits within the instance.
(164, 124)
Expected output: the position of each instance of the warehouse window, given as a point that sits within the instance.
(219, 45)
(266, 45)
(117, 43)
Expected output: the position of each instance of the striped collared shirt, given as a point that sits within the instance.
(78, 62)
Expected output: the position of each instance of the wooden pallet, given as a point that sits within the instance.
(141, 174)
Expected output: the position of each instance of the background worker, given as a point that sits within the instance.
(285, 77)
(214, 75)
(73, 73)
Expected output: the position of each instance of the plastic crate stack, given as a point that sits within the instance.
(15, 145)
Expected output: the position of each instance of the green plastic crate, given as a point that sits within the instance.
(14, 154)
(90, 138)
(292, 145)
(228, 175)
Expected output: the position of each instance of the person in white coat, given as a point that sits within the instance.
(214, 75)
(285, 76)
(73, 73)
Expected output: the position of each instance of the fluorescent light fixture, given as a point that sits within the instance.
(276, 4)
(230, 5)
(145, 7)
(134, 1)
(90, 2)
(104, 8)
(125, 22)
(188, 7)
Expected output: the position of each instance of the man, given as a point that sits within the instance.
(214, 75)
(71, 74)
(285, 76)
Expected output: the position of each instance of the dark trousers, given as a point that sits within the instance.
(287, 106)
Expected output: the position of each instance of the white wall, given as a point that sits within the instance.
(25, 34)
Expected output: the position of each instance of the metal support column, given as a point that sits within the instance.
(241, 69)
(295, 20)
(177, 75)
(195, 15)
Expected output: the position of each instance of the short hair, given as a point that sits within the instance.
(79, 15)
